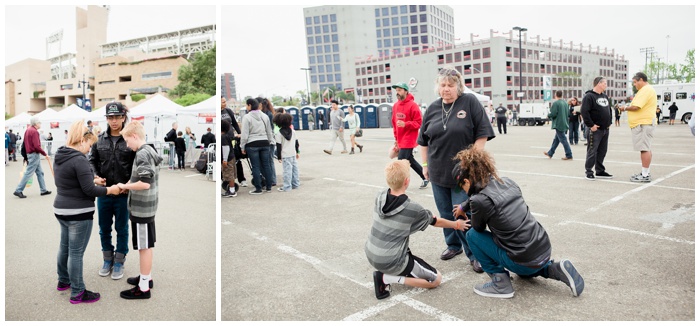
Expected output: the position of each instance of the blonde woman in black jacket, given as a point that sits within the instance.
(74, 208)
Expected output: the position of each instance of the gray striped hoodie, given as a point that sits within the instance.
(144, 203)
(394, 220)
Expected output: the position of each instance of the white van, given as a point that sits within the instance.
(533, 114)
(682, 94)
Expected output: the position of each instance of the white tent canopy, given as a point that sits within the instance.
(49, 115)
(207, 106)
(73, 113)
(98, 115)
(156, 106)
(481, 98)
(21, 119)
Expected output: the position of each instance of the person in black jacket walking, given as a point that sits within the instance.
(170, 138)
(74, 207)
(180, 149)
(111, 161)
(515, 240)
(596, 114)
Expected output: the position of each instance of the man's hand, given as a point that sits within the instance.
(594, 128)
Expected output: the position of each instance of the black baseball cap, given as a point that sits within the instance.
(115, 108)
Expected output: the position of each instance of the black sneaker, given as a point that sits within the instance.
(590, 177)
(135, 281)
(85, 297)
(19, 194)
(255, 192)
(62, 286)
(44, 193)
(381, 290)
(135, 293)
(424, 184)
(603, 175)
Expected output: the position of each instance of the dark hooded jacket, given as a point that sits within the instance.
(75, 188)
(111, 161)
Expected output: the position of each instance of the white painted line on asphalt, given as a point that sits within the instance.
(366, 285)
(583, 160)
(402, 298)
(597, 180)
(660, 237)
(430, 311)
(373, 186)
(296, 253)
(538, 214)
(192, 175)
(618, 151)
(638, 189)
(226, 222)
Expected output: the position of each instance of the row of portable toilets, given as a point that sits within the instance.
(371, 115)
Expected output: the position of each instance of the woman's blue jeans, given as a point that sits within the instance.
(75, 236)
(445, 199)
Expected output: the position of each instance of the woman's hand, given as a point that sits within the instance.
(457, 211)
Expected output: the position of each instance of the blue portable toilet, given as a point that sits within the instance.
(359, 110)
(371, 116)
(384, 115)
(305, 112)
(325, 110)
(294, 111)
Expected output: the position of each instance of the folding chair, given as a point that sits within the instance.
(211, 158)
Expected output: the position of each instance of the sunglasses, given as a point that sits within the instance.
(449, 72)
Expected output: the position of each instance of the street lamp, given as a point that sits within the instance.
(520, 56)
(86, 84)
(308, 94)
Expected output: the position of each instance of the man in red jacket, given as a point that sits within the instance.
(406, 120)
(32, 145)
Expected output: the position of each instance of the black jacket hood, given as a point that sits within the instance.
(64, 154)
(286, 133)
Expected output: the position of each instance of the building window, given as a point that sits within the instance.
(109, 99)
(308, 20)
(325, 28)
(332, 18)
(404, 20)
(317, 29)
(487, 81)
(414, 19)
(477, 53)
(326, 38)
(106, 82)
(63, 87)
(334, 28)
(334, 38)
(424, 39)
(378, 23)
(312, 60)
(385, 22)
(423, 28)
(487, 52)
(487, 67)
(124, 79)
(386, 32)
(324, 19)
(309, 31)
(421, 8)
(423, 18)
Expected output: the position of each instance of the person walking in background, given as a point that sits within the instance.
(13, 147)
(321, 121)
(336, 125)
(32, 146)
(502, 118)
(671, 113)
(617, 114)
(595, 112)
(310, 119)
(74, 208)
(641, 121)
(354, 125)
(574, 120)
(406, 119)
(180, 149)
(559, 114)
(49, 143)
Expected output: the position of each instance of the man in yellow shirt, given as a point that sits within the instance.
(641, 121)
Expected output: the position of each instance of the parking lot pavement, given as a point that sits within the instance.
(184, 257)
(300, 255)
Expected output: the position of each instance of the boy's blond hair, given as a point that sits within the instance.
(396, 173)
(134, 128)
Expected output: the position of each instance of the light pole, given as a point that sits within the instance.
(308, 94)
(85, 85)
(520, 57)
(667, 57)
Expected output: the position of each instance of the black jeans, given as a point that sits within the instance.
(573, 132)
(597, 149)
(407, 154)
(502, 121)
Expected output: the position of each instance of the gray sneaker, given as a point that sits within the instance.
(565, 272)
(499, 287)
(424, 184)
(640, 178)
(106, 268)
(118, 271)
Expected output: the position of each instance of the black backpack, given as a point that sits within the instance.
(23, 151)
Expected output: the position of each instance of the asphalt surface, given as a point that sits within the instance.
(299, 255)
(184, 263)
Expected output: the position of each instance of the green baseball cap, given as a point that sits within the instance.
(400, 85)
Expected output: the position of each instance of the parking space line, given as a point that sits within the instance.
(374, 186)
(583, 160)
(660, 237)
(638, 189)
(619, 151)
(597, 180)
(364, 314)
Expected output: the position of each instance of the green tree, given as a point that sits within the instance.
(199, 76)
(7, 116)
(688, 69)
(190, 99)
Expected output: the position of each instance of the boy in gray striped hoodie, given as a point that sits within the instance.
(143, 204)
(395, 218)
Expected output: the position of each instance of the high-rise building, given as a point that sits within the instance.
(491, 66)
(339, 36)
(228, 86)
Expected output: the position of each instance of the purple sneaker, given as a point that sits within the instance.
(85, 297)
(62, 286)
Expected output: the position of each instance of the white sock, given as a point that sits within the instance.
(391, 279)
(143, 282)
(232, 189)
(645, 172)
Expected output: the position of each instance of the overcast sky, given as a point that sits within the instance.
(26, 27)
(264, 47)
